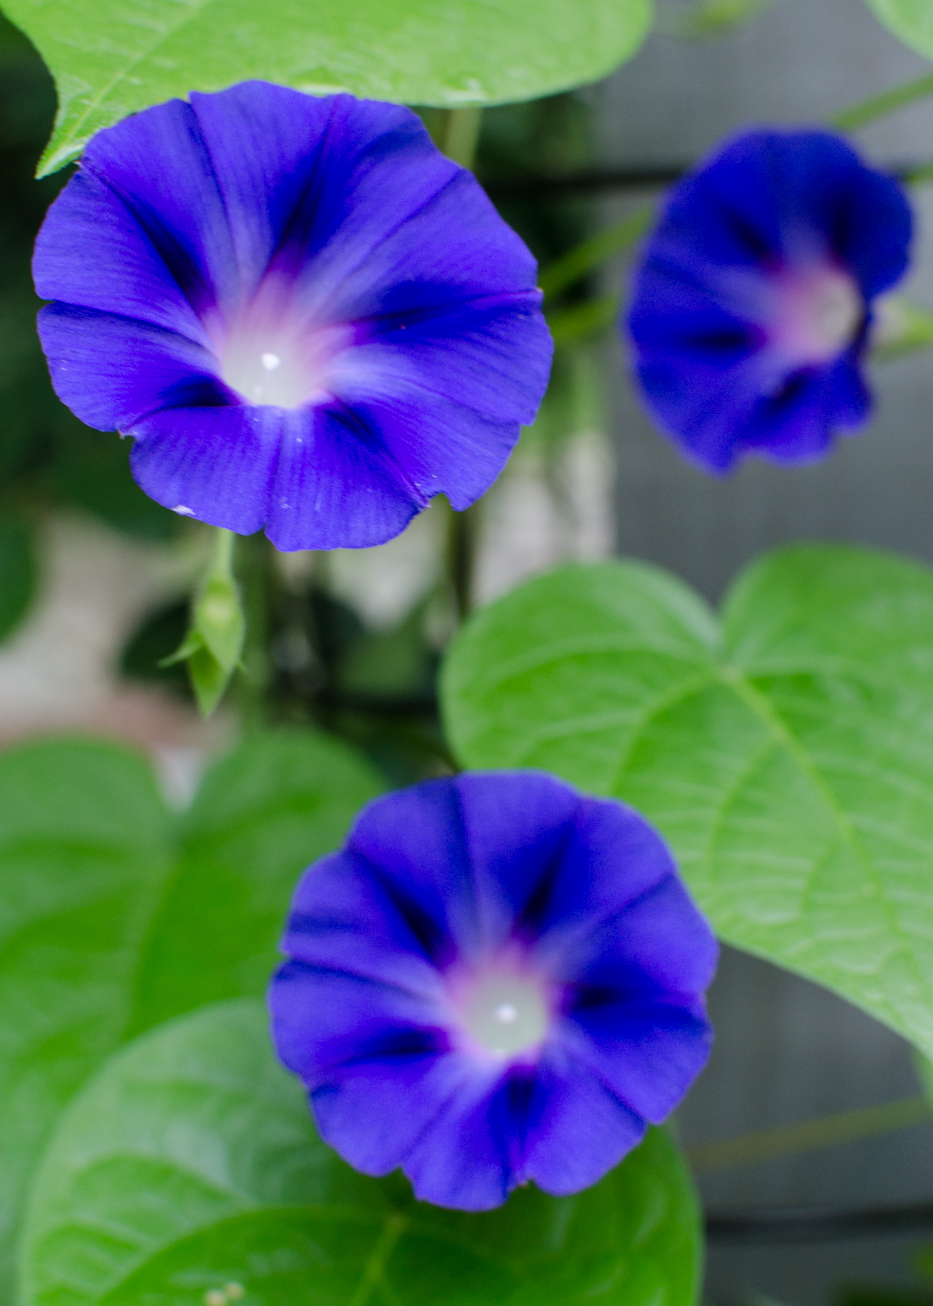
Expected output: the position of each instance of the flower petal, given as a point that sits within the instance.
(657, 944)
(269, 151)
(216, 464)
(469, 1158)
(356, 1021)
(342, 917)
(399, 253)
(112, 371)
(431, 445)
(516, 826)
(613, 859)
(583, 1129)
(647, 1050)
(157, 164)
(378, 1115)
(335, 484)
(92, 252)
(414, 843)
(463, 351)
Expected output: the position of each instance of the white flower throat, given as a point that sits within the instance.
(505, 1013)
(817, 313)
(270, 356)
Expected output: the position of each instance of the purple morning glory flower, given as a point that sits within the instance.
(753, 299)
(497, 980)
(306, 317)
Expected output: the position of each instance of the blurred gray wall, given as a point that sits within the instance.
(786, 1051)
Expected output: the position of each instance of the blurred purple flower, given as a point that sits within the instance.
(497, 980)
(753, 299)
(307, 317)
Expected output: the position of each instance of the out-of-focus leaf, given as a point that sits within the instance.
(17, 572)
(396, 662)
(238, 1190)
(111, 918)
(84, 853)
(91, 470)
(901, 327)
(888, 1294)
(786, 753)
(911, 20)
(263, 813)
(113, 57)
(699, 20)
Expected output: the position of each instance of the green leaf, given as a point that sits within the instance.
(238, 1198)
(911, 20)
(83, 855)
(113, 57)
(263, 813)
(901, 327)
(708, 18)
(17, 573)
(787, 756)
(110, 919)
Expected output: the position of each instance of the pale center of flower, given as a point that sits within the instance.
(271, 357)
(817, 314)
(505, 1013)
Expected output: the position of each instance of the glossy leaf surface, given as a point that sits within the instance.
(239, 1191)
(786, 753)
(113, 57)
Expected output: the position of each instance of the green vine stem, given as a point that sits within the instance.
(808, 1135)
(460, 137)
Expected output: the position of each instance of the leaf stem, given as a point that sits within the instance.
(825, 1131)
(460, 140)
(877, 106)
(254, 570)
(590, 253)
(460, 135)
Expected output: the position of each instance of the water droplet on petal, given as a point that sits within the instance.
(183, 511)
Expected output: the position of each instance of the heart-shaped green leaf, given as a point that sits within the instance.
(787, 754)
(111, 916)
(189, 1171)
(113, 57)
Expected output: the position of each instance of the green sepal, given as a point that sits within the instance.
(214, 642)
